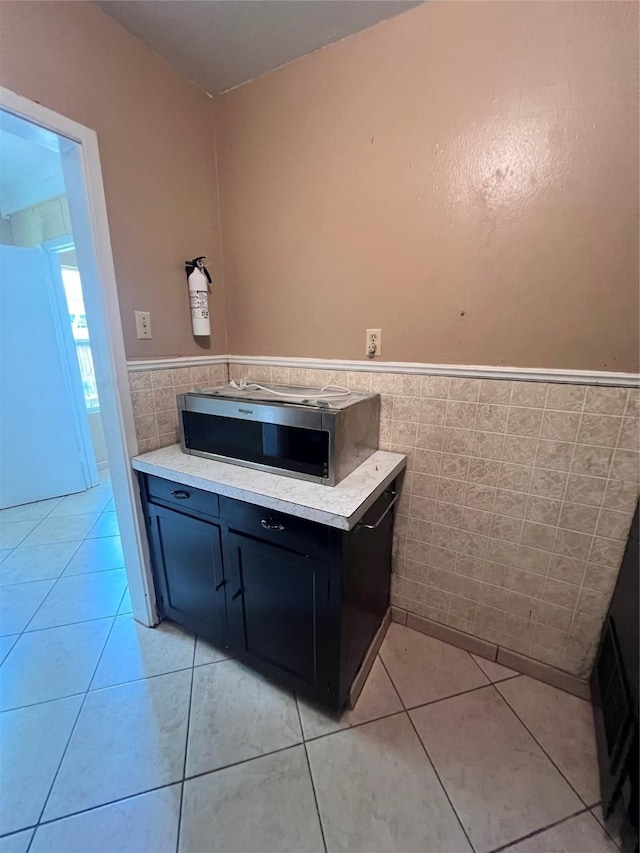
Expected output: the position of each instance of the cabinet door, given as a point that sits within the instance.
(277, 608)
(188, 570)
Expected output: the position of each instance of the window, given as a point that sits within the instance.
(75, 305)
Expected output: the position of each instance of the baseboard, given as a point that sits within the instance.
(513, 660)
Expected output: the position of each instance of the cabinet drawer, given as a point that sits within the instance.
(182, 497)
(290, 532)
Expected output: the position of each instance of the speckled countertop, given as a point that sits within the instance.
(339, 506)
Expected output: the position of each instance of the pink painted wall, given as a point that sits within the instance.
(463, 176)
(156, 136)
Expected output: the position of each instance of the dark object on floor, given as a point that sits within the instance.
(614, 691)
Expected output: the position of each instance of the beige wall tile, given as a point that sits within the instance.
(505, 527)
(567, 397)
(161, 378)
(164, 399)
(451, 491)
(426, 461)
(146, 445)
(432, 411)
(593, 602)
(606, 401)
(537, 535)
(495, 391)
(548, 483)
(406, 409)
(181, 376)
(200, 375)
(460, 414)
(569, 543)
(556, 455)
(514, 477)
(140, 380)
(491, 417)
(142, 403)
(408, 385)
(469, 566)
(560, 426)
(602, 578)
(449, 514)
(464, 389)
(167, 423)
(579, 517)
(422, 508)
(386, 405)
(520, 449)
(476, 520)
(620, 494)
(534, 560)
(633, 404)
(510, 503)
(424, 486)
(429, 436)
(593, 461)
(478, 496)
(543, 510)
(629, 438)
(567, 569)
(614, 525)
(146, 427)
(502, 552)
(457, 441)
(487, 445)
(484, 472)
(385, 431)
(524, 421)
(359, 381)
(607, 552)
(435, 386)
(404, 433)
(168, 438)
(531, 394)
(560, 593)
(625, 466)
(585, 490)
(419, 530)
(599, 429)
(452, 465)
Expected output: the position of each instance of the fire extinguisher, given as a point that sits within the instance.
(199, 281)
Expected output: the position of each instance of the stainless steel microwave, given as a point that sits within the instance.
(288, 430)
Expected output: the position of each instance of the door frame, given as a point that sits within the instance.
(101, 299)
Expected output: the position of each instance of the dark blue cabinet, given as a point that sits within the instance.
(295, 599)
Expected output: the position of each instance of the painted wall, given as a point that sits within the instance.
(463, 176)
(156, 137)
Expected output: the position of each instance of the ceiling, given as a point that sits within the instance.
(30, 165)
(220, 44)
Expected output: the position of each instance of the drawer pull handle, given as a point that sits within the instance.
(220, 585)
(270, 524)
(361, 526)
(236, 594)
(180, 494)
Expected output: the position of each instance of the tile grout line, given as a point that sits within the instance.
(313, 786)
(149, 790)
(440, 782)
(535, 739)
(71, 733)
(186, 744)
(537, 832)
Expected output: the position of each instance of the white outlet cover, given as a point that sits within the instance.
(373, 336)
(143, 324)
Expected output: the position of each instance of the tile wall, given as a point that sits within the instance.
(153, 395)
(516, 503)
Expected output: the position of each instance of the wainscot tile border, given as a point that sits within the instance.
(523, 374)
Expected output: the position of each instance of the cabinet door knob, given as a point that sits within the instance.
(220, 585)
(180, 494)
(270, 524)
(236, 594)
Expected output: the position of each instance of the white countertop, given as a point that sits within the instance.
(339, 506)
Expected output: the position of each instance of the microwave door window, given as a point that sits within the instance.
(290, 448)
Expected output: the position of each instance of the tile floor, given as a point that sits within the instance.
(115, 738)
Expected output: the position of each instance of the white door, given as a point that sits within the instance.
(43, 423)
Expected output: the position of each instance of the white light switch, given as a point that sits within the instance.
(143, 324)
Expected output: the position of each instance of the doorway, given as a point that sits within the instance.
(56, 265)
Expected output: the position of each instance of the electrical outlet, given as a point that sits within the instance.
(373, 346)
(143, 324)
